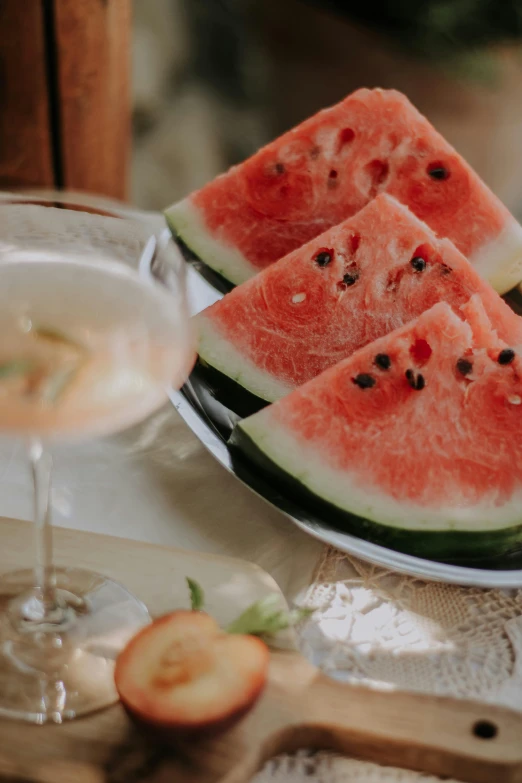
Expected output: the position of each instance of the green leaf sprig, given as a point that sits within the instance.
(263, 618)
(197, 596)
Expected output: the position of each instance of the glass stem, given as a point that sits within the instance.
(45, 583)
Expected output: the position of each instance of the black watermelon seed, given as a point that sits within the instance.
(323, 259)
(364, 381)
(506, 356)
(464, 366)
(445, 269)
(438, 172)
(417, 382)
(280, 169)
(383, 361)
(418, 263)
(351, 277)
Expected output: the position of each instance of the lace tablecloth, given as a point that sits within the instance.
(157, 483)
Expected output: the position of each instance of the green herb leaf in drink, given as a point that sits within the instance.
(13, 368)
(53, 335)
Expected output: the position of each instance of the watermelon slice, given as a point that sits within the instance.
(326, 170)
(349, 286)
(423, 455)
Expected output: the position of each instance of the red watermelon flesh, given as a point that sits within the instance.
(433, 443)
(301, 315)
(328, 168)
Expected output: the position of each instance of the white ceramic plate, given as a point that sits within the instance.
(504, 574)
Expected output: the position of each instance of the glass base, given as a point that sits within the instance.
(59, 667)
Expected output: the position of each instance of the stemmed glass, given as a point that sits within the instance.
(88, 347)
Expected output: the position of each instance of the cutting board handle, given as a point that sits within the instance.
(460, 739)
(448, 737)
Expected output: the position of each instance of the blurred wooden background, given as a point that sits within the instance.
(65, 118)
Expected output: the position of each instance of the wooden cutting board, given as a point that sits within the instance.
(300, 708)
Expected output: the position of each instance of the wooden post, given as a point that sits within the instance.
(25, 133)
(93, 46)
(64, 95)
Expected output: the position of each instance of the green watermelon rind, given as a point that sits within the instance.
(227, 391)
(216, 351)
(186, 223)
(451, 541)
(217, 281)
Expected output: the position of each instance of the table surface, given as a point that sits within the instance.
(157, 483)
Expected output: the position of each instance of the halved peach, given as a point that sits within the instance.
(183, 674)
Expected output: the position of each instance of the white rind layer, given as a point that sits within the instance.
(187, 222)
(500, 261)
(220, 353)
(297, 458)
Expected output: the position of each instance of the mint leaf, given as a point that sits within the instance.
(265, 618)
(58, 382)
(197, 596)
(15, 367)
(56, 336)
